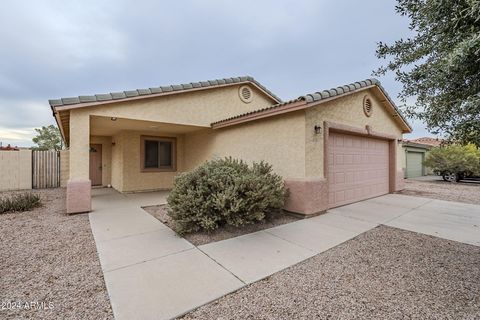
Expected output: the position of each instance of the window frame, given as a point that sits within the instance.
(172, 140)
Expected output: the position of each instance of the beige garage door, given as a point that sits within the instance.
(358, 168)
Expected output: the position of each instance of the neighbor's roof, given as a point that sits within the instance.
(108, 97)
(315, 97)
(412, 143)
(435, 142)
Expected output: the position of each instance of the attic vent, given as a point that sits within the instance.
(246, 94)
(367, 106)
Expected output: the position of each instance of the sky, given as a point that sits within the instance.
(51, 49)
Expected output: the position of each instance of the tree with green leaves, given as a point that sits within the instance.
(48, 138)
(454, 162)
(439, 66)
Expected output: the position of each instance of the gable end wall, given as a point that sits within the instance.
(347, 110)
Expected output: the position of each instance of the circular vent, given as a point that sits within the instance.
(246, 94)
(367, 106)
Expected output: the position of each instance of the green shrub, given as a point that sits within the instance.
(225, 191)
(19, 202)
(454, 159)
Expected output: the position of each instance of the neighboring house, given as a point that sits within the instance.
(416, 151)
(9, 148)
(332, 147)
(415, 154)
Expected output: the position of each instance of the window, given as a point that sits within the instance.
(158, 154)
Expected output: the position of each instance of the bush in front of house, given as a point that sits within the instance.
(225, 191)
(19, 202)
(454, 162)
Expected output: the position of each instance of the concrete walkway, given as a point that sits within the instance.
(444, 219)
(151, 273)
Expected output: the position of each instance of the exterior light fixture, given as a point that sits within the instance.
(113, 118)
(317, 129)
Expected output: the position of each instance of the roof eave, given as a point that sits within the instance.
(59, 124)
(253, 82)
(407, 128)
(303, 104)
(288, 107)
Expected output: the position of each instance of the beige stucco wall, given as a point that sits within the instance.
(279, 140)
(191, 108)
(196, 108)
(79, 144)
(64, 167)
(15, 170)
(117, 162)
(403, 158)
(287, 141)
(126, 166)
(348, 111)
(106, 143)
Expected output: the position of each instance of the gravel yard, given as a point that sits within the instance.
(47, 256)
(465, 191)
(225, 232)
(385, 273)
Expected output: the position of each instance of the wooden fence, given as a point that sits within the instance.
(45, 169)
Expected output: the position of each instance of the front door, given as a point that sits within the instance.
(96, 164)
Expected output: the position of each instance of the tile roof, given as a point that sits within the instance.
(325, 94)
(157, 90)
(316, 96)
(435, 142)
(410, 143)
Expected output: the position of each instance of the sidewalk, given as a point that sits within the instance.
(151, 273)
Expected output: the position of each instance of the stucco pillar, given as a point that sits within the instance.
(400, 164)
(307, 196)
(400, 180)
(79, 185)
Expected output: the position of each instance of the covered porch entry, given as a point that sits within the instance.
(128, 155)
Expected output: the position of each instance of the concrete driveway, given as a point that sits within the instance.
(151, 273)
(445, 219)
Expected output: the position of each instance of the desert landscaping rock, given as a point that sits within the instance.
(224, 232)
(385, 273)
(465, 191)
(47, 256)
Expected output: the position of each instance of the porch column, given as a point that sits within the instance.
(79, 185)
(307, 196)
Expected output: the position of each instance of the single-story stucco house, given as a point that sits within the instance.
(332, 147)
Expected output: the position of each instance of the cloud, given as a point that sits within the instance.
(53, 49)
(24, 113)
(21, 137)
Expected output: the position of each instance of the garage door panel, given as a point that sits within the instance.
(359, 169)
(414, 164)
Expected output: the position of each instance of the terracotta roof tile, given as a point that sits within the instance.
(428, 141)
